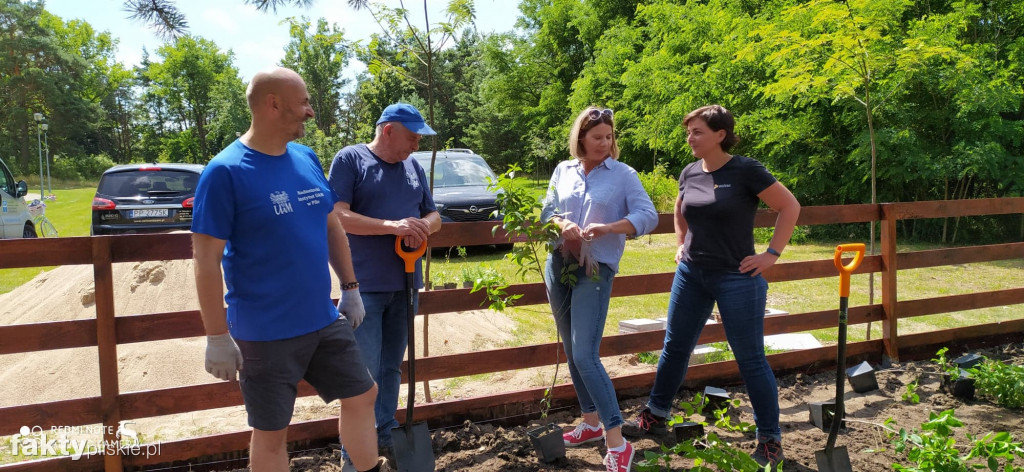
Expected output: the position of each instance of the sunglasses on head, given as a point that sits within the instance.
(596, 114)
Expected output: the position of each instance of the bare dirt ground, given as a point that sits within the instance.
(66, 293)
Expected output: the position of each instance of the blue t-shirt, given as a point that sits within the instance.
(272, 211)
(719, 208)
(378, 189)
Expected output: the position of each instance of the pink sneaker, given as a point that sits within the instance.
(619, 461)
(582, 435)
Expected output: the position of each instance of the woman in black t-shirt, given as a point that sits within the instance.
(714, 221)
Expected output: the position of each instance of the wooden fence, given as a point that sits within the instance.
(106, 331)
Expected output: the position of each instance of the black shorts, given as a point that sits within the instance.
(328, 359)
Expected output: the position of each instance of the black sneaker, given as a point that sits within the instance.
(768, 452)
(645, 424)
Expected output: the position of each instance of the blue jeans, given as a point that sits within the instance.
(383, 337)
(580, 312)
(741, 301)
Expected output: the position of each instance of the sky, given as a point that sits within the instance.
(256, 38)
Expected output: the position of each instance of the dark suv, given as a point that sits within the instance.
(145, 198)
(460, 185)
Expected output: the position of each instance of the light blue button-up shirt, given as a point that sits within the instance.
(610, 192)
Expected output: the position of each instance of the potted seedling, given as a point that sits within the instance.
(469, 275)
(520, 212)
(957, 381)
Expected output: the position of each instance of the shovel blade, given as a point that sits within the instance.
(833, 460)
(414, 451)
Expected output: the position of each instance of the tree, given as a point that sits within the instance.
(422, 46)
(188, 77)
(319, 58)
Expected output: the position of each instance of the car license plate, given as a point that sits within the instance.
(150, 213)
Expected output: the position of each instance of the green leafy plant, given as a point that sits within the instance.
(1002, 383)
(494, 285)
(947, 366)
(708, 452)
(910, 395)
(933, 447)
(648, 357)
(520, 210)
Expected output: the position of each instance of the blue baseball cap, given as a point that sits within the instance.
(408, 116)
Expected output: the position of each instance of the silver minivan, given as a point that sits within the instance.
(17, 222)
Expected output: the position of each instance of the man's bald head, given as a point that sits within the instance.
(270, 82)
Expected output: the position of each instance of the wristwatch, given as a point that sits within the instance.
(773, 252)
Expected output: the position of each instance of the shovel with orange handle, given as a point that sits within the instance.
(414, 451)
(837, 459)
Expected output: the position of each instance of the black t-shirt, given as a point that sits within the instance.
(719, 209)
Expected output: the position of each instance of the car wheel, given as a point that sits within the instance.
(29, 231)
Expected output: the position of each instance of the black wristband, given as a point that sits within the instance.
(773, 252)
(350, 286)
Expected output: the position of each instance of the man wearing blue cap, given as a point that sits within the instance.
(384, 194)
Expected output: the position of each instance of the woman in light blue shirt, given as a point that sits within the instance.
(597, 202)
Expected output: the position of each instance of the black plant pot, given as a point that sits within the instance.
(822, 414)
(967, 361)
(862, 377)
(717, 399)
(547, 442)
(688, 431)
(962, 387)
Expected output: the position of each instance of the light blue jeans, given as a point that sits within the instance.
(383, 337)
(741, 301)
(580, 312)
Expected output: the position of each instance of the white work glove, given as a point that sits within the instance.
(223, 359)
(350, 305)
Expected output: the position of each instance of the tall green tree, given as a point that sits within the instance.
(188, 77)
(422, 45)
(37, 76)
(319, 57)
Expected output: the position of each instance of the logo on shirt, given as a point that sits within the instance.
(413, 179)
(717, 186)
(281, 203)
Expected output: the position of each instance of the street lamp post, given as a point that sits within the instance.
(46, 142)
(39, 140)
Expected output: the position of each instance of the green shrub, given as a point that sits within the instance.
(999, 382)
(662, 188)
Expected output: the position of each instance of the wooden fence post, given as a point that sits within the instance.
(890, 320)
(106, 343)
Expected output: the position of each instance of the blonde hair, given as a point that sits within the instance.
(583, 124)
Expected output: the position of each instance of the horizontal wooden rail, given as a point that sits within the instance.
(951, 208)
(970, 301)
(959, 255)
